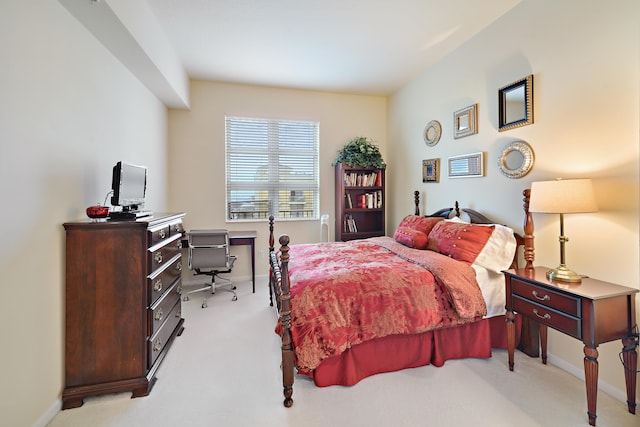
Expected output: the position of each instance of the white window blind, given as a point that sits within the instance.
(271, 169)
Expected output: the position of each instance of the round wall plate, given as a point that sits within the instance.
(432, 133)
(516, 159)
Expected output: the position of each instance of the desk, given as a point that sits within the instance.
(592, 311)
(242, 238)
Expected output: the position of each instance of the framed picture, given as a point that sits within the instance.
(431, 170)
(466, 166)
(465, 122)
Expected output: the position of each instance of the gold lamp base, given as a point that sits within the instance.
(563, 274)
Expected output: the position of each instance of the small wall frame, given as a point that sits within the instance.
(431, 170)
(466, 166)
(465, 122)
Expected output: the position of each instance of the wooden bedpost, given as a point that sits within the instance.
(416, 201)
(271, 248)
(285, 324)
(529, 255)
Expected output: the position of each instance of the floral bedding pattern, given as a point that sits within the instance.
(346, 293)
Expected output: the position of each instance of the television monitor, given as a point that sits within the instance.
(129, 185)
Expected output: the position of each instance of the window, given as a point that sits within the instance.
(272, 169)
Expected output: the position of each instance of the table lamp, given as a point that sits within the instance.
(562, 197)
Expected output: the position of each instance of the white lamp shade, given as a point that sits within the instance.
(562, 196)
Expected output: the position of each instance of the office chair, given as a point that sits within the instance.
(209, 255)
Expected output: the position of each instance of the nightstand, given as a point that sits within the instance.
(592, 311)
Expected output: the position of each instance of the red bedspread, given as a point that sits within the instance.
(346, 293)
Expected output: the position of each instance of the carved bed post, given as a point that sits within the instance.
(271, 243)
(528, 232)
(416, 201)
(285, 319)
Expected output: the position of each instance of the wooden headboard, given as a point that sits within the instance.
(477, 218)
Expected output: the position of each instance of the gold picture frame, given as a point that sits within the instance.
(431, 170)
(465, 122)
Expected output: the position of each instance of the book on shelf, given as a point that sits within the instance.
(349, 202)
(355, 179)
(350, 224)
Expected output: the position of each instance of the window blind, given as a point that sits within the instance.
(271, 169)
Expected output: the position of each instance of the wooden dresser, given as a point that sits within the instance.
(123, 285)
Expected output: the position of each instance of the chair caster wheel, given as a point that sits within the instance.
(234, 298)
(234, 288)
(204, 305)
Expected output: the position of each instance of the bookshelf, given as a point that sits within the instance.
(360, 198)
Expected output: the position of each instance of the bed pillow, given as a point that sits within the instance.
(497, 254)
(410, 237)
(423, 224)
(460, 241)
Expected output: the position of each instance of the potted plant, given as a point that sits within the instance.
(360, 151)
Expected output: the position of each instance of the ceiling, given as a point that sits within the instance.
(351, 46)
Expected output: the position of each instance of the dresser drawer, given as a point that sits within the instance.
(159, 340)
(159, 255)
(160, 310)
(548, 316)
(176, 228)
(546, 297)
(161, 280)
(159, 234)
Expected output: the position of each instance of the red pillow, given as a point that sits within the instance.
(459, 241)
(423, 224)
(410, 237)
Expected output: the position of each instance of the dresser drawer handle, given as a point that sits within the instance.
(158, 257)
(179, 244)
(178, 313)
(179, 289)
(158, 285)
(177, 228)
(157, 346)
(546, 316)
(544, 298)
(179, 266)
(159, 314)
(162, 234)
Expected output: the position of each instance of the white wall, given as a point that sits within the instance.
(68, 112)
(197, 147)
(584, 56)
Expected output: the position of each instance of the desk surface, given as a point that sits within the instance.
(247, 234)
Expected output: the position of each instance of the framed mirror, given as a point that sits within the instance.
(516, 160)
(515, 104)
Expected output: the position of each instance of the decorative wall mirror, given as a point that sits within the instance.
(515, 104)
(432, 133)
(516, 159)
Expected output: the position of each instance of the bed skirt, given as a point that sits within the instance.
(396, 352)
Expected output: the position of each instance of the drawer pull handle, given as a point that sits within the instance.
(546, 316)
(179, 289)
(158, 257)
(177, 228)
(162, 234)
(544, 298)
(158, 285)
(178, 314)
(159, 315)
(179, 266)
(179, 244)
(157, 346)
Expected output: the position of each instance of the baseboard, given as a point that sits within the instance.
(48, 415)
(612, 391)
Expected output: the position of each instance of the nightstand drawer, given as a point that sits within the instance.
(548, 316)
(546, 297)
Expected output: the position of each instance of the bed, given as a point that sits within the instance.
(433, 292)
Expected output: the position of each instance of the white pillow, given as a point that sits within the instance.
(497, 254)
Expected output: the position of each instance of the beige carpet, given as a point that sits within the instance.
(224, 371)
